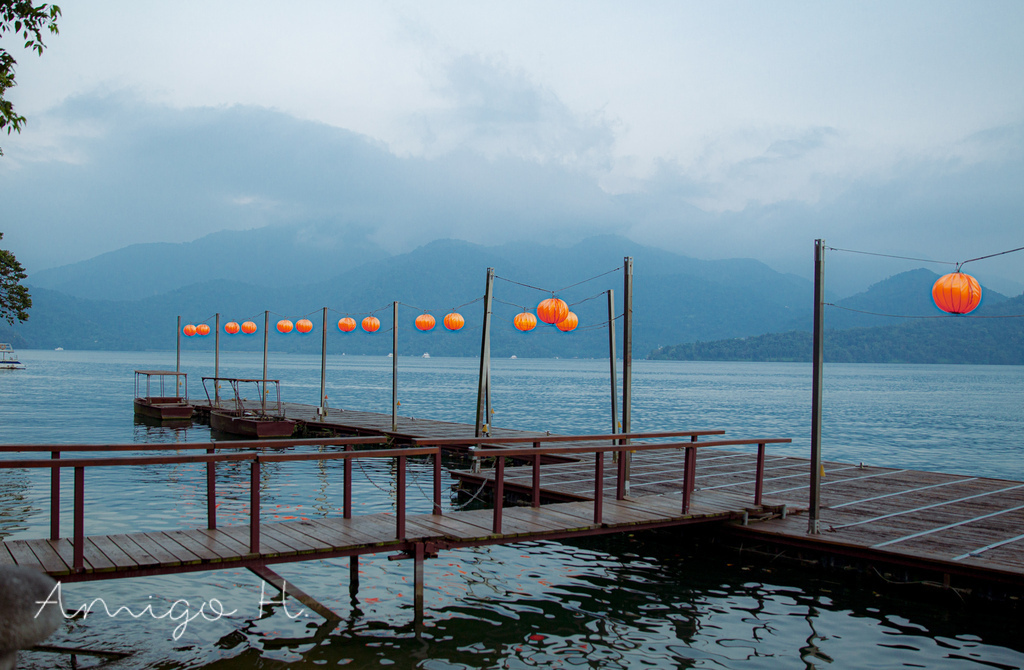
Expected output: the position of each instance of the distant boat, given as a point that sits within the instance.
(514, 356)
(8, 359)
(391, 355)
(59, 349)
(426, 355)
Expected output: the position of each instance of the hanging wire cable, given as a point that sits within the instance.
(510, 304)
(596, 295)
(616, 269)
(905, 258)
(513, 281)
(928, 316)
(466, 304)
(981, 258)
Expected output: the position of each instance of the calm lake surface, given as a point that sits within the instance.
(649, 600)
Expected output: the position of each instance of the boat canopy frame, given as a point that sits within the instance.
(236, 384)
(180, 377)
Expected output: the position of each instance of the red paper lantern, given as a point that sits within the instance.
(346, 324)
(202, 330)
(303, 325)
(525, 321)
(552, 310)
(454, 321)
(371, 324)
(231, 327)
(248, 327)
(189, 330)
(956, 293)
(425, 322)
(568, 323)
(285, 326)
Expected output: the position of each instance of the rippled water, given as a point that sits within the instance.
(663, 599)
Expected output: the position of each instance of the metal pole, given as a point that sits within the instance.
(818, 362)
(483, 387)
(323, 370)
(627, 355)
(611, 360)
(266, 336)
(394, 365)
(216, 360)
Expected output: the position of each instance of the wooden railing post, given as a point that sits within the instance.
(400, 502)
(759, 483)
(211, 493)
(55, 499)
(620, 475)
(499, 490)
(437, 482)
(688, 479)
(535, 499)
(598, 487)
(79, 512)
(348, 485)
(254, 507)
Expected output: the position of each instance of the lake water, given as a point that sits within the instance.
(630, 601)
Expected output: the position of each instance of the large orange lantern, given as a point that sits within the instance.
(346, 324)
(525, 321)
(552, 310)
(371, 324)
(303, 325)
(285, 326)
(248, 327)
(454, 321)
(189, 330)
(568, 323)
(956, 293)
(425, 322)
(231, 327)
(202, 330)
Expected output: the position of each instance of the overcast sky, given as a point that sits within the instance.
(715, 129)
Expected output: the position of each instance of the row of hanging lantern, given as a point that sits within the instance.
(553, 311)
(371, 324)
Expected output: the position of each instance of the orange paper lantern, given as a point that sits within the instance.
(956, 293)
(371, 324)
(231, 327)
(248, 327)
(425, 322)
(346, 324)
(525, 321)
(552, 310)
(454, 321)
(202, 330)
(189, 330)
(568, 323)
(285, 326)
(303, 325)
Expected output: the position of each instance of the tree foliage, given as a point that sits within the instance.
(14, 298)
(28, 21)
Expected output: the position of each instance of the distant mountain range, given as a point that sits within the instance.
(129, 299)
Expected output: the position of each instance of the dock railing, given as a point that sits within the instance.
(615, 445)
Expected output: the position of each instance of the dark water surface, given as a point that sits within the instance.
(649, 600)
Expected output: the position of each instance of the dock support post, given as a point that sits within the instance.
(348, 484)
(689, 468)
(211, 492)
(759, 483)
(499, 490)
(484, 384)
(627, 357)
(55, 499)
(400, 502)
(535, 498)
(353, 576)
(394, 365)
(417, 577)
(216, 359)
(611, 361)
(437, 482)
(254, 507)
(79, 543)
(814, 503)
(598, 487)
(323, 369)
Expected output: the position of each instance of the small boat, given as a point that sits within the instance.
(8, 359)
(164, 406)
(426, 355)
(241, 417)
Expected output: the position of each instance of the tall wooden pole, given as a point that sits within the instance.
(818, 362)
(394, 365)
(484, 385)
(627, 354)
(611, 360)
(323, 369)
(177, 365)
(266, 341)
(216, 360)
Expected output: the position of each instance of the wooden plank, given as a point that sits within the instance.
(238, 548)
(141, 557)
(95, 559)
(23, 555)
(114, 553)
(161, 554)
(49, 558)
(269, 547)
(5, 555)
(430, 526)
(299, 542)
(176, 537)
